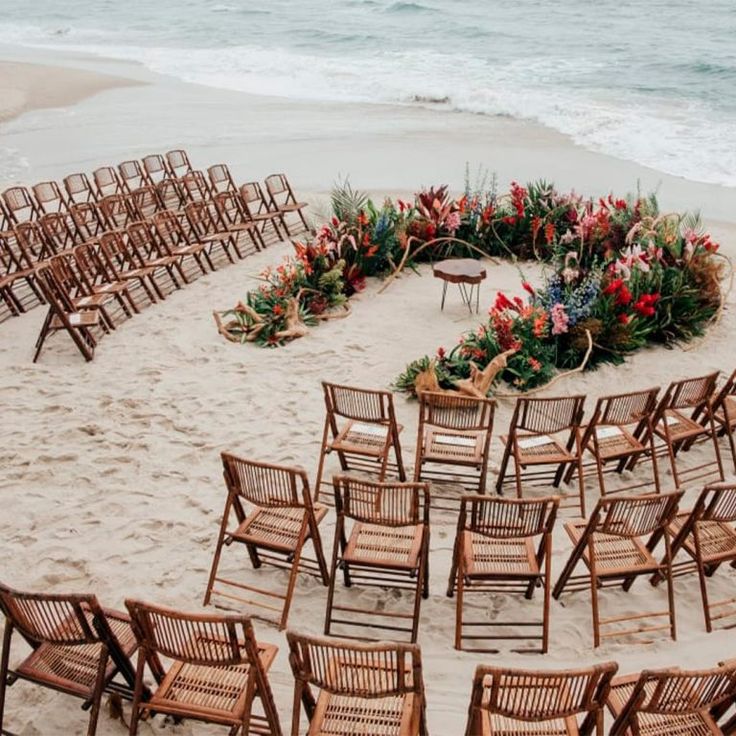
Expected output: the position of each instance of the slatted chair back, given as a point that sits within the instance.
(170, 194)
(253, 197)
(386, 504)
(547, 415)
(279, 190)
(536, 696)
(49, 197)
(359, 404)
(508, 518)
(142, 239)
(91, 265)
(624, 409)
(635, 516)
(144, 202)
(12, 258)
(132, 175)
(169, 230)
(265, 484)
(115, 211)
(195, 187)
(6, 222)
(20, 205)
(728, 389)
(156, 169)
(691, 393)
(118, 256)
(202, 219)
(462, 413)
(178, 162)
(107, 182)
(59, 230)
(87, 219)
(32, 240)
(221, 179)
(79, 189)
(230, 207)
(675, 694)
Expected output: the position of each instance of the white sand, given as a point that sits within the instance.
(111, 478)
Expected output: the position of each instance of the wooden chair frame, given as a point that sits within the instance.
(107, 182)
(378, 683)
(508, 701)
(17, 266)
(174, 239)
(367, 434)
(217, 673)
(49, 197)
(177, 160)
(221, 180)
(617, 545)
(87, 219)
(144, 242)
(387, 545)
(204, 220)
(257, 208)
(283, 519)
(20, 206)
(124, 264)
(281, 199)
(503, 546)
(115, 211)
(723, 410)
(79, 184)
(156, 168)
(195, 187)
(144, 202)
(236, 220)
(59, 231)
(132, 175)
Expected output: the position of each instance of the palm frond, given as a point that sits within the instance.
(347, 202)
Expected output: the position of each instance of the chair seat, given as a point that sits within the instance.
(73, 669)
(76, 319)
(112, 288)
(493, 724)
(453, 446)
(275, 527)
(540, 449)
(614, 555)
(729, 409)
(384, 546)
(89, 301)
(363, 438)
(215, 237)
(717, 538)
(483, 556)
(216, 694)
(614, 441)
(651, 724)
(291, 206)
(679, 426)
(346, 715)
(137, 273)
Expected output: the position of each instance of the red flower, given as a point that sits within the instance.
(441, 353)
(645, 305)
(335, 221)
(278, 309)
(431, 231)
(503, 302)
(623, 319)
(549, 232)
(534, 364)
(462, 203)
(362, 219)
(613, 287)
(536, 224)
(623, 297)
(509, 220)
(487, 214)
(528, 287)
(620, 204)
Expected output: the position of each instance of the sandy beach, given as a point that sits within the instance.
(111, 477)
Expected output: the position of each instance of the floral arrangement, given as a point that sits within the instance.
(621, 275)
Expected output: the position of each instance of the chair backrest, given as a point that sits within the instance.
(387, 504)
(54, 618)
(91, 265)
(117, 254)
(508, 518)
(142, 240)
(169, 229)
(13, 257)
(279, 189)
(20, 205)
(144, 202)
(690, 393)
(170, 194)
(201, 218)
(49, 197)
(623, 409)
(451, 411)
(79, 188)
(265, 484)
(132, 175)
(107, 181)
(195, 186)
(360, 404)
(634, 516)
(155, 168)
(32, 240)
(252, 196)
(179, 163)
(59, 230)
(115, 210)
(361, 670)
(230, 207)
(539, 695)
(87, 219)
(221, 179)
(547, 415)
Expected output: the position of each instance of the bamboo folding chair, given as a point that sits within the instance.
(723, 410)
(361, 428)
(516, 702)
(236, 220)
(207, 228)
(387, 545)
(282, 199)
(115, 211)
(107, 182)
(502, 546)
(707, 536)
(144, 202)
(94, 273)
(195, 187)
(257, 209)
(375, 689)
(221, 179)
(150, 252)
(671, 701)
(683, 416)
(178, 162)
(155, 168)
(170, 194)
(532, 443)
(18, 281)
(87, 220)
(78, 648)
(621, 429)
(454, 434)
(217, 674)
(20, 205)
(617, 545)
(275, 518)
(132, 175)
(124, 264)
(49, 197)
(59, 230)
(176, 242)
(79, 189)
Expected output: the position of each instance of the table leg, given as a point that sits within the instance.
(444, 292)
(467, 298)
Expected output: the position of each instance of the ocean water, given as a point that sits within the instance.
(653, 81)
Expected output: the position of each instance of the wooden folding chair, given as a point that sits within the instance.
(88, 220)
(221, 179)
(18, 281)
(115, 211)
(236, 220)
(515, 702)
(49, 197)
(707, 536)
(107, 182)
(59, 230)
(621, 429)
(545, 432)
(142, 239)
(124, 264)
(174, 239)
(20, 205)
(617, 545)
(671, 701)
(683, 416)
(207, 228)
(386, 546)
(217, 673)
(78, 648)
(33, 241)
(281, 199)
(178, 162)
(79, 189)
(144, 202)
(453, 442)
(360, 426)
(132, 175)
(502, 546)
(723, 410)
(257, 209)
(170, 194)
(375, 689)
(275, 518)
(195, 187)
(94, 273)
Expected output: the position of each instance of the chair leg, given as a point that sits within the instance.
(137, 694)
(293, 573)
(399, 459)
(216, 558)
(4, 665)
(594, 608)
(716, 448)
(459, 605)
(502, 469)
(97, 695)
(331, 584)
(704, 597)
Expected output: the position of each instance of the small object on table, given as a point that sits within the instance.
(467, 273)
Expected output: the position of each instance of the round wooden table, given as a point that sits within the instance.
(467, 273)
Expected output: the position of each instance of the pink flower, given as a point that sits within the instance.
(452, 222)
(559, 319)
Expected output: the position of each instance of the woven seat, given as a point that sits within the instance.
(515, 702)
(487, 556)
(365, 689)
(275, 527)
(374, 544)
(363, 438)
(281, 199)
(613, 553)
